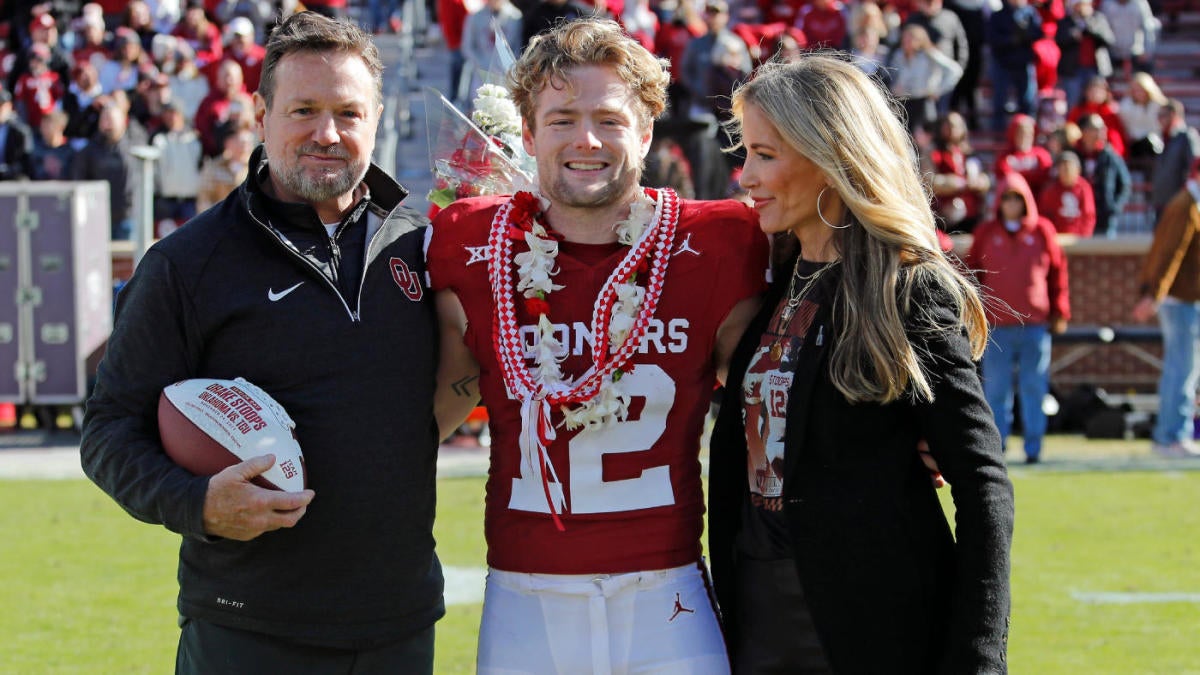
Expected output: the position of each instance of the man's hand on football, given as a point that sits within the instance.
(235, 508)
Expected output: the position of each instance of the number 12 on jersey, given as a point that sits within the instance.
(589, 492)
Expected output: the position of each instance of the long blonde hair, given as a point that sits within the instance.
(1153, 93)
(836, 116)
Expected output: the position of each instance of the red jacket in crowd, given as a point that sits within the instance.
(825, 26)
(1026, 270)
(452, 15)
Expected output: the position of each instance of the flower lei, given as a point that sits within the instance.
(620, 318)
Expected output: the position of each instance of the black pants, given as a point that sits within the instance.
(208, 649)
(776, 632)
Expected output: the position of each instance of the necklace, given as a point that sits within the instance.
(796, 274)
(793, 303)
(620, 318)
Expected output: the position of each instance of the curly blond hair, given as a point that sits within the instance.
(551, 55)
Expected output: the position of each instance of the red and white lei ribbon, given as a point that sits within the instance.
(620, 318)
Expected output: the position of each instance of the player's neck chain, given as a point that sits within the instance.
(794, 298)
(620, 318)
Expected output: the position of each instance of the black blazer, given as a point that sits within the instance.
(889, 589)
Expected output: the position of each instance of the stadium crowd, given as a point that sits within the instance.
(1062, 92)
(85, 83)
(1045, 73)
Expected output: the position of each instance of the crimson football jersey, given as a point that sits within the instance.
(632, 488)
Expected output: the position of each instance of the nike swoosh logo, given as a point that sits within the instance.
(276, 297)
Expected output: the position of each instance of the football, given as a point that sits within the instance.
(206, 425)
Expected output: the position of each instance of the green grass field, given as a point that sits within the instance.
(86, 589)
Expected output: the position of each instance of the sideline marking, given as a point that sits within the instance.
(1103, 598)
(464, 585)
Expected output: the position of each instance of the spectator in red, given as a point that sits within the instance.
(214, 109)
(1067, 201)
(1016, 257)
(786, 12)
(39, 90)
(452, 17)
(1098, 100)
(1046, 51)
(43, 30)
(1022, 155)
(959, 182)
(91, 45)
(240, 47)
(824, 25)
(202, 35)
(112, 11)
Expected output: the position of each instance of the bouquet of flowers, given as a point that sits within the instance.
(483, 154)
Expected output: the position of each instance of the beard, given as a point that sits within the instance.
(573, 195)
(324, 185)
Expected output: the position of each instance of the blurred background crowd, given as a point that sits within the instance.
(1079, 99)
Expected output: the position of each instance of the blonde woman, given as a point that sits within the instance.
(835, 555)
(1139, 113)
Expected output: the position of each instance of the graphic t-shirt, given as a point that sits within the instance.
(765, 391)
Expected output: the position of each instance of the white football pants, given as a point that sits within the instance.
(659, 622)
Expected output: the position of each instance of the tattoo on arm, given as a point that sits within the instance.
(464, 386)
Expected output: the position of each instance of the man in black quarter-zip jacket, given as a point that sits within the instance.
(308, 282)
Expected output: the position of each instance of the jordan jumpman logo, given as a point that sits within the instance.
(679, 609)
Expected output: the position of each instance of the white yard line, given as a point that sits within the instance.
(464, 585)
(1112, 598)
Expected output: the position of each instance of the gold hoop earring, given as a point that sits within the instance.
(822, 215)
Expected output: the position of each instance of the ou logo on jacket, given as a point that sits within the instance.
(408, 282)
